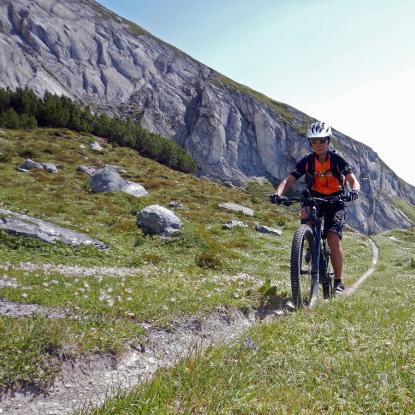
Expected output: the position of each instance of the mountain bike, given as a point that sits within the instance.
(310, 254)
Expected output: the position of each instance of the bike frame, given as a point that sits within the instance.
(316, 228)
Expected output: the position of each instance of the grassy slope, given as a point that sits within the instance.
(352, 355)
(168, 281)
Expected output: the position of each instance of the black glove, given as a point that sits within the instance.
(353, 195)
(277, 199)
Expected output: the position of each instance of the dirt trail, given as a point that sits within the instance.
(363, 278)
(91, 381)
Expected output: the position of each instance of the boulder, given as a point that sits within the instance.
(267, 229)
(155, 219)
(85, 169)
(95, 146)
(51, 168)
(175, 204)
(30, 165)
(119, 169)
(22, 225)
(234, 223)
(237, 208)
(108, 179)
(134, 189)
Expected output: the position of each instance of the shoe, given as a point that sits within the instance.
(338, 287)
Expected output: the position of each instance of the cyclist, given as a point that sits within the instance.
(327, 172)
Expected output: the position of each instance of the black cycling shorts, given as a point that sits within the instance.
(334, 217)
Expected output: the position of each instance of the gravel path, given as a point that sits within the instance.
(12, 309)
(74, 270)
(91, 381)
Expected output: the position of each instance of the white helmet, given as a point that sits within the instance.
(319, 130)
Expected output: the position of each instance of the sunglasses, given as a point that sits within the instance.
(318, 140)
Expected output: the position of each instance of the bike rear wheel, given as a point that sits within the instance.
(304, 285)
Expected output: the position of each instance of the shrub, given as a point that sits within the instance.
(208, 259)
(10, 119)
(5, 157)
(23, 109)
(27, 153)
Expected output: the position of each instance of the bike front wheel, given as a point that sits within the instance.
(304, 284)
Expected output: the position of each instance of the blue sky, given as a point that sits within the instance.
(351, 63)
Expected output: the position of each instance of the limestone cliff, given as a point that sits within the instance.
(85, 51)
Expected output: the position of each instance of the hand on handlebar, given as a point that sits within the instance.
(353, 195)
(278, 200)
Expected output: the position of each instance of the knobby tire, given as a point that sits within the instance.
(304, 287)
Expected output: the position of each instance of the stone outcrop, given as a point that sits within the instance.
(234, 207)
(234, 223)
(84, 51)
(158, 220)
(268, 230)
(108, 179)
(85, 169)
(33, 165)
(30, 165)
(95, 146)
(23, 225)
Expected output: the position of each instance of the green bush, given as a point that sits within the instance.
(5, 157)
(10, 119)
(27, 153)
(208, 259)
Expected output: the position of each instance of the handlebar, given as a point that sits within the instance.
(288, 201)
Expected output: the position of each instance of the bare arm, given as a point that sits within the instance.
(285, 185)
(353, 182)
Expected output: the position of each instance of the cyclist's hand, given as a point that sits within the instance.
(277, 199)
(353, 195)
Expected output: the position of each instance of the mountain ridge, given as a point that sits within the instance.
(234, 133)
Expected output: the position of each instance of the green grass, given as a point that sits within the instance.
(188, 274)
(405, 207)
(353, 355)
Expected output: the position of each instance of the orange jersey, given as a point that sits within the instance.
(324, 180)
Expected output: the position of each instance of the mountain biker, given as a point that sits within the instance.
(327, 171)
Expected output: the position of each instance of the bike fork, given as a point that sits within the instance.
(316, 264)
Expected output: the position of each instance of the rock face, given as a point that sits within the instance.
(84, 51)
(158, 220)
